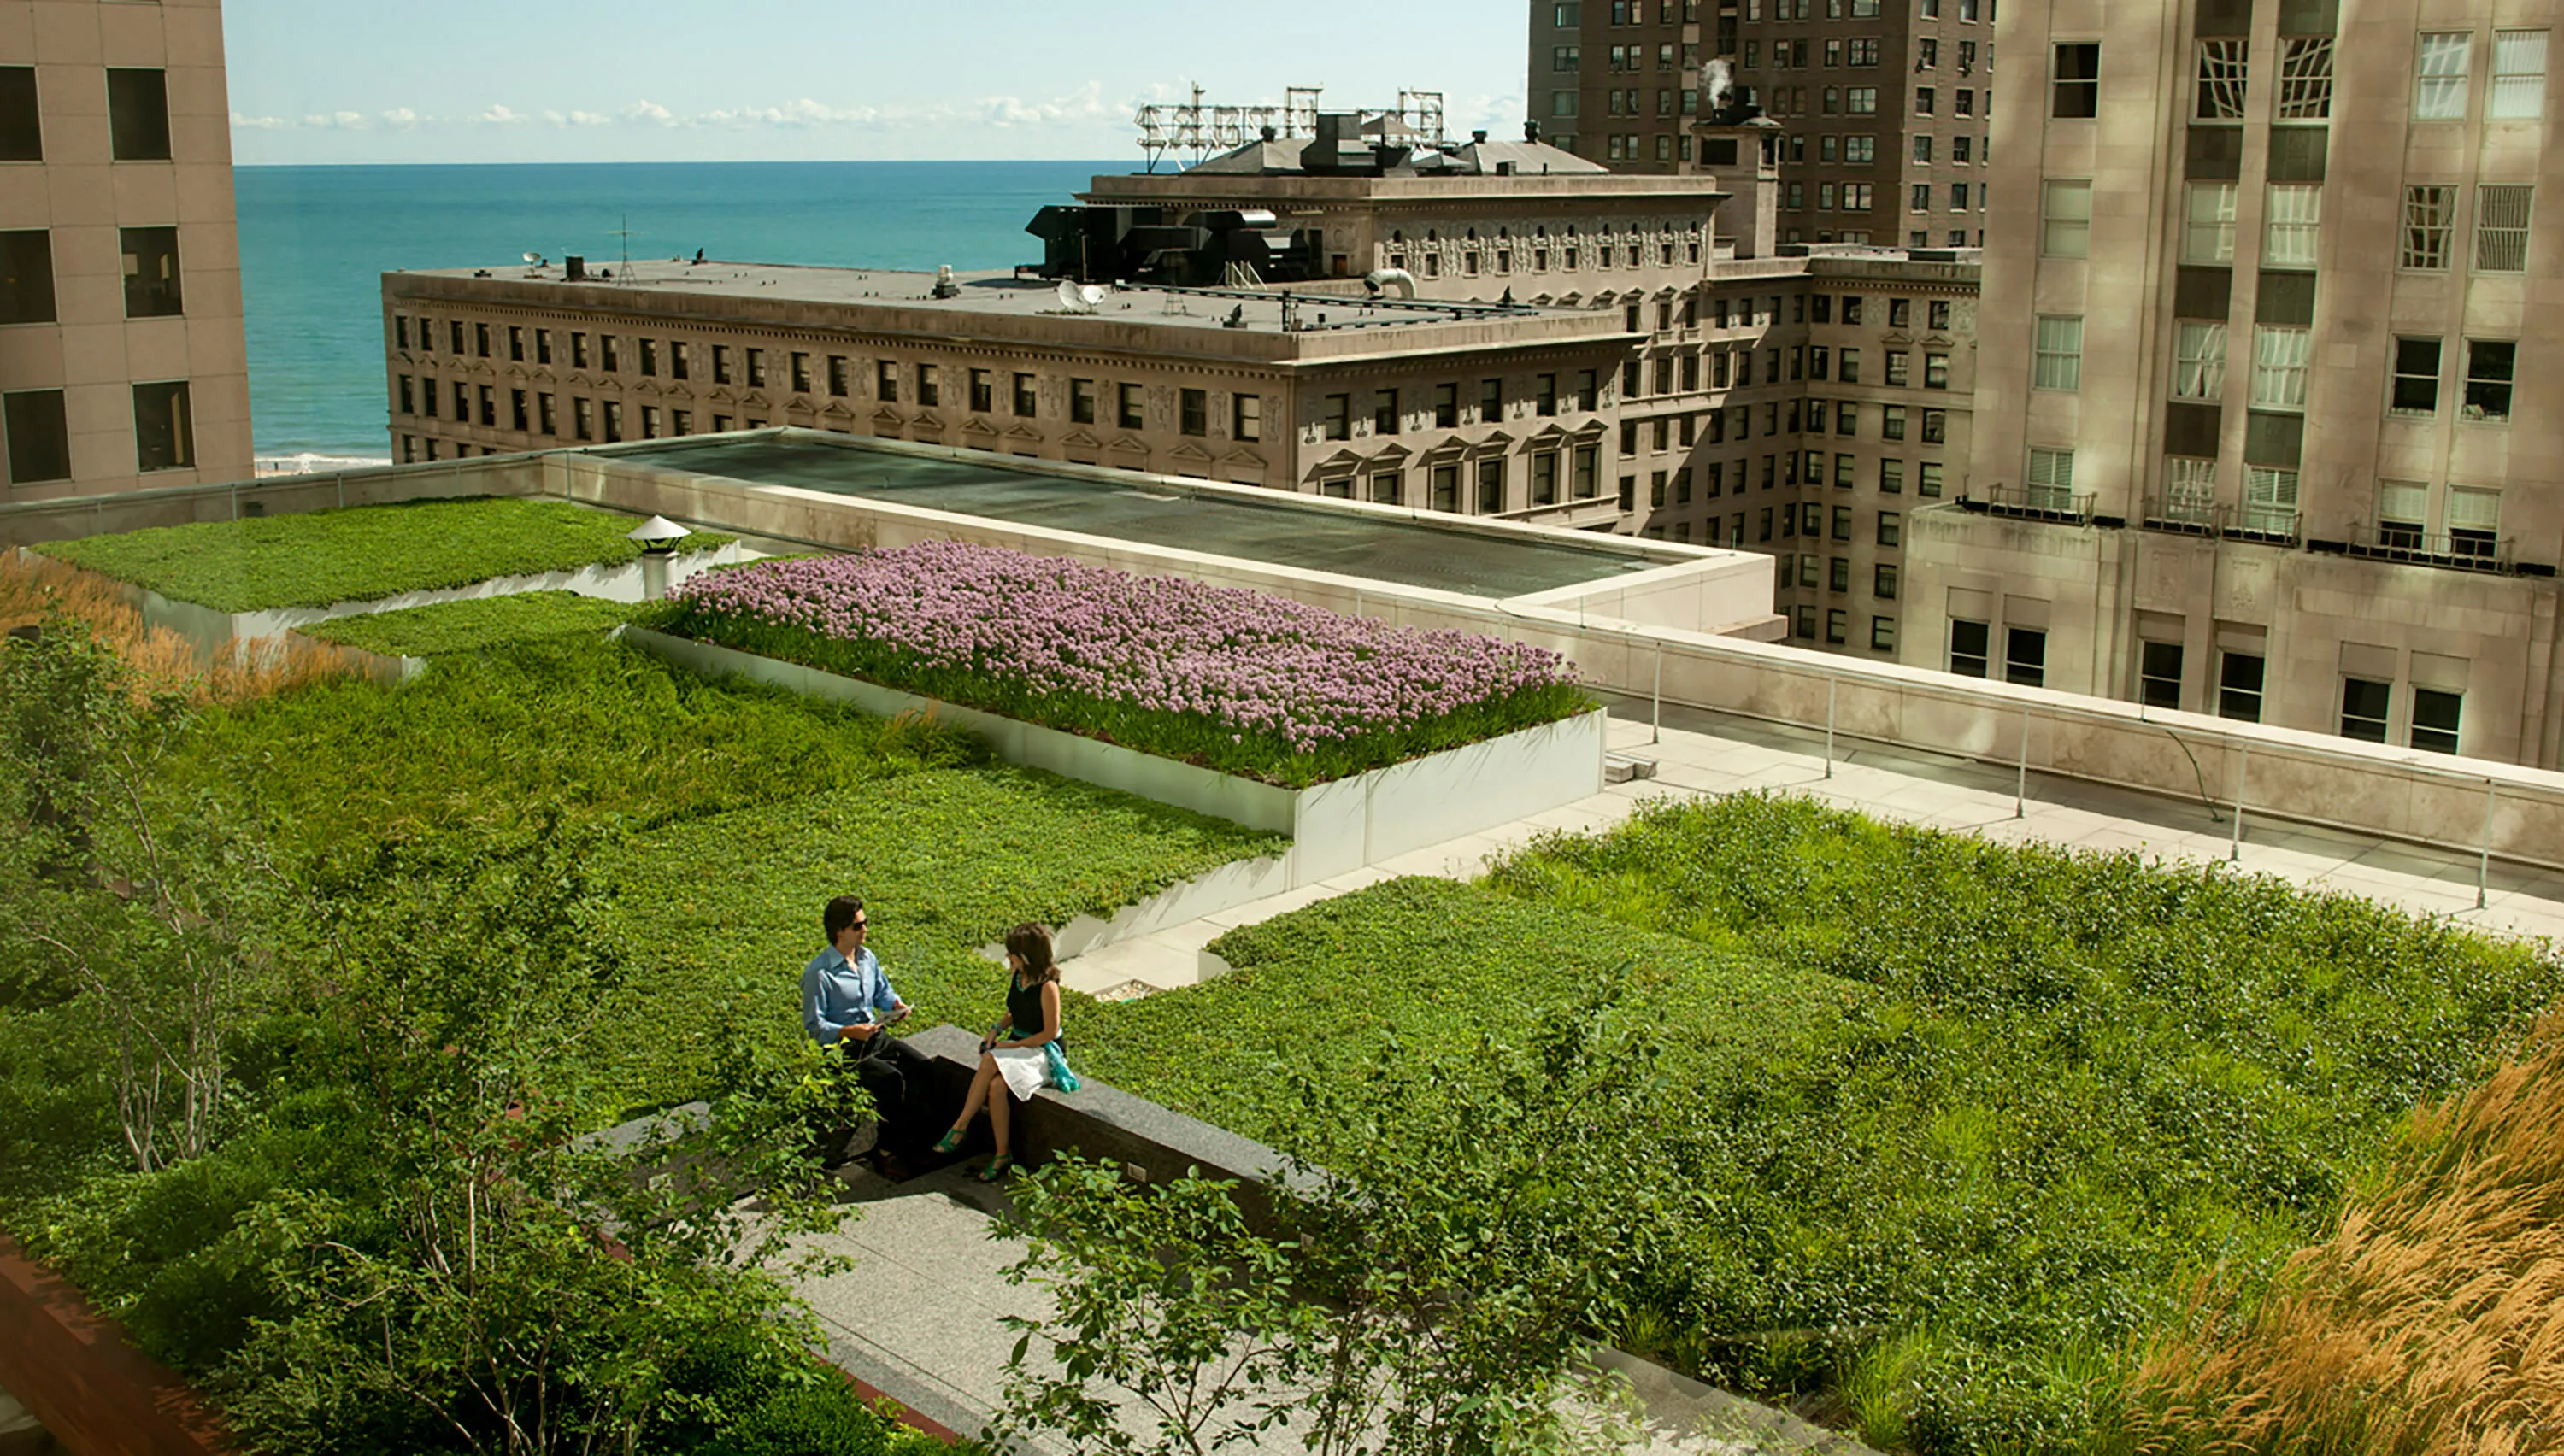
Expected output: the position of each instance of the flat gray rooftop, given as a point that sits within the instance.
(1281, 534)
(986, 294)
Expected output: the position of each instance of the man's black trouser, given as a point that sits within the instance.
(900, 1081)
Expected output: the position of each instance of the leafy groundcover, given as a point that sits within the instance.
(441, 629)
(330, 983)
(1964, 1126)
(1237, 680)
(362, 554)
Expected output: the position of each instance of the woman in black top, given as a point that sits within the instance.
(1015, 1051)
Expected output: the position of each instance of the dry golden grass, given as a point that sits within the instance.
(31, 587)
(2432, 1322)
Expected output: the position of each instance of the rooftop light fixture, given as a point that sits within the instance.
(658, 534)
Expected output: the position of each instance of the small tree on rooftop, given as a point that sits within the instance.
(1431, 1287)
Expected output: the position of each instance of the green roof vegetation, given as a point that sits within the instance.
(436, 933)
(441, 629)
(362, 554)
(1960, 1124)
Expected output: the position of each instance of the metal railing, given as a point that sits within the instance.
(2033, 503)
(2192, 516)
(2459, 550)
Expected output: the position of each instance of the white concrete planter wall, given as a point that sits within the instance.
(215, 632)
(1334, 827)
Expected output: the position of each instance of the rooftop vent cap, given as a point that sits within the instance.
(658, 533)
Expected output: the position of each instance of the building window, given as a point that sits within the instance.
(2190, 489)
(453, 334)
(22, 136)
(1891, 528)
(2076, 92)
(1384, 416)
(2363, 708)
(1936, 427)
(2058, 350)
(2208, 233)
(2430, 215)
(1836, 623)
(2065, 219)
(2279, 357)
(1936, 371)
(582, 413)
(164, 436)
(930, 383)
(1491, 486)
(1544, 477)
(680, 422)
(613, 421)
(137, 116)
(1589, 482)
(1388, 488)
(1969, 648)
(2050, 481)
(2305, 77)
(2223, 71)
(2440, 88)
(2159, 674)
(1027, 402)
(649, 422)
(2416, 389)
(801, 376)
(2474, 522)
(2519, 76)
(1336, 488)
(2489, 363)
(2269, 501)
(755, 366)
(548, 415)
(1446, 484)
(720, 364)
(543, 345)
(27, 276)
(2403, 511)
(39, 436)
(2296, 217)
(840, 370)
(984, 391)
(885, 378)
(2239, 686)
(2501, 229)
(1081, 404)
(1588, 390)
(1193, 410)
(2025, 657)
(2198, 360)
(151, 272)
(610, 358)
(1246, 417)
(517, 419)
(1337, 417)
(2435, 720)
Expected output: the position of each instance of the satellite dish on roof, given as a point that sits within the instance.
(1079, 297)
(533, 258)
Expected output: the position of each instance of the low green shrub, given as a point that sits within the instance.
(441, 629)
(362, 554)
(1972, 1118)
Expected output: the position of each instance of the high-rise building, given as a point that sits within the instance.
(2267, 319)
(1886, 101)
(121, 361)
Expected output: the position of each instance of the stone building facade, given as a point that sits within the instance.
(1887, 103)
(2259, 429)
(122, 361)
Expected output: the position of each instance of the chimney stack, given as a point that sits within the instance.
(1745, 156)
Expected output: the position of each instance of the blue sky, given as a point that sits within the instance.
(480, 81)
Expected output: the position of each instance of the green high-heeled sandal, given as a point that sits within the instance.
(948, 1143)
(998, 1166)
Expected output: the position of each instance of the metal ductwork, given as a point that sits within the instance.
(1379, 280)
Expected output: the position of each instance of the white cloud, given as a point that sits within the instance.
(400, 119)
(501, 115)
(261, 124)
(591, 118)
(653, 112)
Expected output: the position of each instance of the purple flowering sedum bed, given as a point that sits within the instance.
(1229, 678)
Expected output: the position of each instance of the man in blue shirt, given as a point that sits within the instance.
(847, 1002)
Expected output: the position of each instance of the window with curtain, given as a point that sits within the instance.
(2279, 355)
(2057, 353)
(2305, 77)
(2501, 228)
(2519, 76)
(2430, 213)
(2065, 219)
(2440, 82)
(2295, 220)
(2209, 233)
(2223, 68)
(2052, 479)
(2190, 489)
(2198, 360)
(2270, 499)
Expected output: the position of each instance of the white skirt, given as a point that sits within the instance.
(1026, 1070)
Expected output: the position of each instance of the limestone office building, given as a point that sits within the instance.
(122, 361)
(2271, 409)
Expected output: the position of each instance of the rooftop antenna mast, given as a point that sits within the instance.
(625, 232)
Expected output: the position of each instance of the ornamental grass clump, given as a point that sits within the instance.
(1230, 679)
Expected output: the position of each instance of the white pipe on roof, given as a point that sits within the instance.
(1387, 278)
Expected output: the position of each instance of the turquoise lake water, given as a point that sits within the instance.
(315, 242)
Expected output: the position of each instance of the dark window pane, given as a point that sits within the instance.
(26, 277)
(2159, 674)
(1967, 647)
(2363, 710)
(150, 273)
(164, 435)
(2239, 687)
(39, 438)
(22, 135)
(2025, 657)
(2435, 720)
(137, 116)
